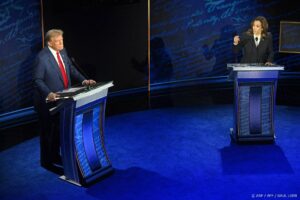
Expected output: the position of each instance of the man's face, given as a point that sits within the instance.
(56, 43)
(257, 27)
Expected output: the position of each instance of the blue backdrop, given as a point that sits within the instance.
(193, 39)
(190, 39)
(20, 40)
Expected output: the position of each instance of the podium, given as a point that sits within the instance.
(254, 101)
(82, 115)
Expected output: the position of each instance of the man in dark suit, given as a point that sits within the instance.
(53, 72)
(256, 43)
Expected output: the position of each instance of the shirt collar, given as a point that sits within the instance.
(52, 50)
(257, 36)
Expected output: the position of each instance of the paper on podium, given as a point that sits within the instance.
(80, 94)
(71, 91)
(68, 93)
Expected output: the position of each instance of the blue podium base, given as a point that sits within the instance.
(252, 138)
(98, 175)
(64, 178)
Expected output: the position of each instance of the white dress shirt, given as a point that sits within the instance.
(258, 39)
(55, 56)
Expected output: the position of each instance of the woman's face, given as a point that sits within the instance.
(257, 27)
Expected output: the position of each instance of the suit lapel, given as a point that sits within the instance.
(64, 58)
(253, 42)
(54, 65)
(261, 42)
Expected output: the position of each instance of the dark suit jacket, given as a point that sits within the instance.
(251, 54)
(47, 76)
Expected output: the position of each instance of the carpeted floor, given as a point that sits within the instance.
(171, 153)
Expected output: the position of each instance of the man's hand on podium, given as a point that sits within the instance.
(268, 64)
(88, 82)
(52, 96)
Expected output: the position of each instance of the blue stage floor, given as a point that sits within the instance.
(176, 153)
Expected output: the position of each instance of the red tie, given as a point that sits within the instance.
(62, 70)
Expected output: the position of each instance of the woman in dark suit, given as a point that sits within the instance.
(256, 43)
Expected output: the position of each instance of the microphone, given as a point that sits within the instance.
(89, 87)
(79, 68)
(256, 39)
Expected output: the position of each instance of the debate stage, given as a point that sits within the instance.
(182, 152)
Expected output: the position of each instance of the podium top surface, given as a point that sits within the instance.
(78, 93)
(92, 95)
(93, 91)
(82, 97)
(254, 67)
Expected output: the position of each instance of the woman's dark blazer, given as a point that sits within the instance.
(251, 54)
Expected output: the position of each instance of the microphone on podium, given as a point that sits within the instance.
(88, 87)
(79, 68)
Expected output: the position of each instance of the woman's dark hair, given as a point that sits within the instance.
(264, 25)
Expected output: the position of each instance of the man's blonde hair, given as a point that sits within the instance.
(53, 33)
